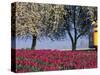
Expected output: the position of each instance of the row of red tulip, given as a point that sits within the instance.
(46, 60)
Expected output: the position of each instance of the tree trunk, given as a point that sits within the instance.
(33, 42)
(74, 45)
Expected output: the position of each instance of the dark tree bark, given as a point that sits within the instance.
(74, 44)
(33, 42)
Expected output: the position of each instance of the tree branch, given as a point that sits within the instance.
(74, 21)
(70, 36)
(82, 33)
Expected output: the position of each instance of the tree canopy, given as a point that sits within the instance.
(53, 21)
(38, 19)
(78, 20)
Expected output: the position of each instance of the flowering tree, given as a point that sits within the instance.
(36, 19)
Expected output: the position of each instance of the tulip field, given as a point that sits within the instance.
(50, 60)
